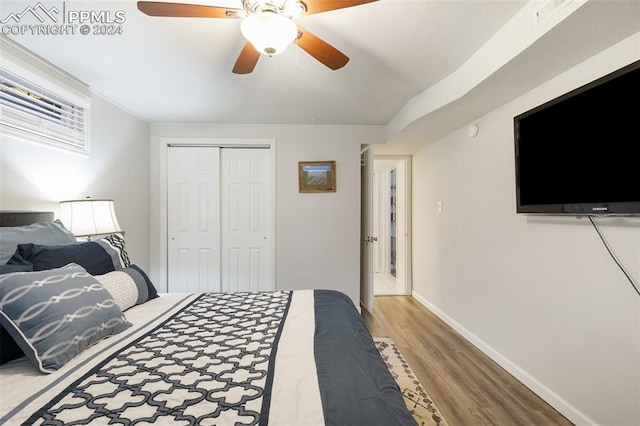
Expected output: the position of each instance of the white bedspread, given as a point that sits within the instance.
(278, 358)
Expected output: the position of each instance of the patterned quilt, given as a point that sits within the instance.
(281, 358)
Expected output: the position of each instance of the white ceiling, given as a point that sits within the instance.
(179, 69)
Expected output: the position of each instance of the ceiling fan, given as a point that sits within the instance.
(267, 25)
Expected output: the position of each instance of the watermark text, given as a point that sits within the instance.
(59, 20)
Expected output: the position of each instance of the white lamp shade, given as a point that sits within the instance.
(89, 217)
(269, 32)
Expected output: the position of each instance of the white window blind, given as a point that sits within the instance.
(32, 109)
(40, 102)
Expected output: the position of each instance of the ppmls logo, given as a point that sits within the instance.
(41, 20)
(38, 11)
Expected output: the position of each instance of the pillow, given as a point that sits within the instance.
(9, 349)
(128, 286)
(54, 315)
(111, 255)
(47, 233)
(100, 257)
(16, 264)
(97, 257)
(115, 244)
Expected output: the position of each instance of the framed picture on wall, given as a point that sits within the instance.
(317, 176)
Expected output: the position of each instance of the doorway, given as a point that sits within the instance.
(391, 225)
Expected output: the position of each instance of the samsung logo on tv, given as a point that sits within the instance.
(599, 209)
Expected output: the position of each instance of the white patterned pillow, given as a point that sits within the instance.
(128, 286)
(56, 314)
(122, 288)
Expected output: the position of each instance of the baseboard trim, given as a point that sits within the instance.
(553, 399)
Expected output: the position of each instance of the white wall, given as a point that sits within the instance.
(539, 294)
(317, 235)
(36, 176)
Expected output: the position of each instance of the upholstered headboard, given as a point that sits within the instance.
(20, 218)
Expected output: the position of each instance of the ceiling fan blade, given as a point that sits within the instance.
(321, 50)
(317, 6)
(156, 8)
(247, 59)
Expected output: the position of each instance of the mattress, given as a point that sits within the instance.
(278, 358)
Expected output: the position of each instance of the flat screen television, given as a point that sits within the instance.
(579, 154)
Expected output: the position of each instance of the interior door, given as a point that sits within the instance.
(367, 239)
(193, 219)
(246, 220)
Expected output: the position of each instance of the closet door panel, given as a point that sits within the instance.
(193, 219)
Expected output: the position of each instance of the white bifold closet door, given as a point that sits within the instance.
(219, 219)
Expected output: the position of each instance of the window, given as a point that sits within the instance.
(45, 111)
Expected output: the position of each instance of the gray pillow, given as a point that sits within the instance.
(45, 233)
(56, 314)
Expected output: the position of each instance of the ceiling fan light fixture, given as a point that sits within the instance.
(270, 33)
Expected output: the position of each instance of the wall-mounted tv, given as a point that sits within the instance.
(579, 154)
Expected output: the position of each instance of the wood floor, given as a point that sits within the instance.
(466, 385)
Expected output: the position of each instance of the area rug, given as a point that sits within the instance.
(415, 396)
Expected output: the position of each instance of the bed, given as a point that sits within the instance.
(299, 357)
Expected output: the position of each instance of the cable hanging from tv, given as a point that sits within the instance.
(613, 256)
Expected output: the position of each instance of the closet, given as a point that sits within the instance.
(219, 218)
